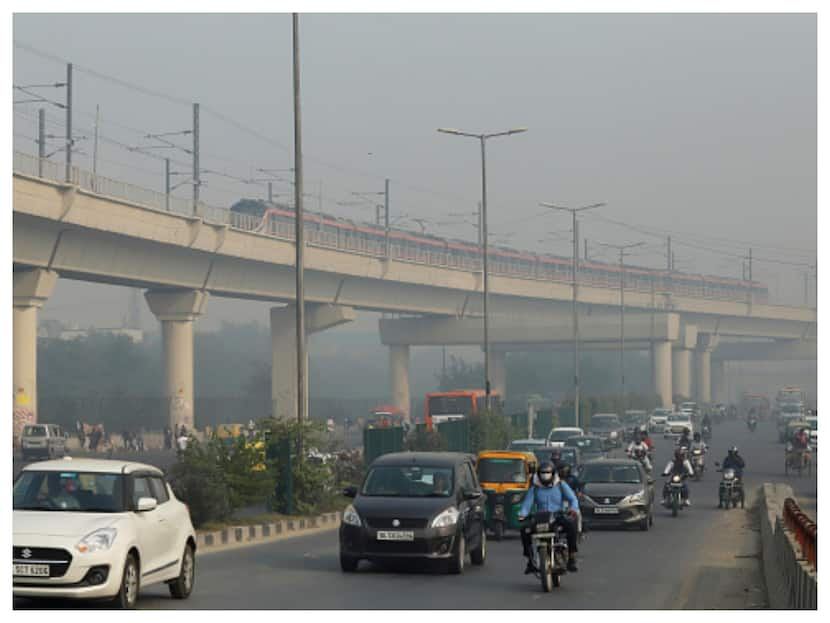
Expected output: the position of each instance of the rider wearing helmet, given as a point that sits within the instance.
(697, 444)
(556, 459)
(684, 439)
(638, 450)
(549, 494)
(679, 466)
(734, 461)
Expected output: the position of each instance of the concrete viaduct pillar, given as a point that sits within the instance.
(719, 381)
(177, 310)
(30, 291)
(703, 372)
(399, 377)
(284, 351)
(682, 372)
(662, 371)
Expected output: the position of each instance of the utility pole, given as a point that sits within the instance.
(806, 288)
(575, 297)
(386, 216)
(669, 255)
(585, 248)
(95, 143)
(196, 180)
(167, 184)
(299, 238)
(41, 140)
(270, 193)
(69, 122)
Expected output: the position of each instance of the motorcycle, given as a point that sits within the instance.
(550, 550)
(673, 494)
(698, 463)
(640, 457)
(752, 424)
(730, 490)
(707, 433)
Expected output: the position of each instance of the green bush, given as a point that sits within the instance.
(422, 440)
(199, 480)
(489, 431)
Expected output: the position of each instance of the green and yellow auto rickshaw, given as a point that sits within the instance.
(505, 477)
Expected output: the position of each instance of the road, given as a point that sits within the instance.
(704, 558)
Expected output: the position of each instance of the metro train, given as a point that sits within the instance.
(331, 231)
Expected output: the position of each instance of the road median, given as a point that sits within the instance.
(233, 536)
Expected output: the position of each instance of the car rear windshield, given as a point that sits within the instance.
(562, 435)
(605, 421)
(586, 444)
(523, 446)
(451, 405)
(34, 431)
(610, 473)
(410, 481)
(502, 470)
(80, 492)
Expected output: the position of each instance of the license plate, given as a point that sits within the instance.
(37, 571)
(396, 535)
(606, 510)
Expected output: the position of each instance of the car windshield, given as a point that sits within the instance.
(34, 431)
(408, 481)
(586, 444)
(678, 418)
(605, 421)
(502, 470)
(562, 435)
(80, 492)
(611, 473)
(526, 445)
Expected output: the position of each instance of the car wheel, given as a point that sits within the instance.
(456, 565)
(479, 554)
(127, 595)
(182, 586)
(348, 564)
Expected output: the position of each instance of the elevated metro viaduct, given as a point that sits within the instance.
(118, 234)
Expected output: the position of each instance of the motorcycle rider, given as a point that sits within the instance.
(638, 450)
(734, 461)
(573, 481)
(698, 444)
(801, 440)
(684, 440)
(556, 459)
(679, 466)
(548, 492)
(706, 422)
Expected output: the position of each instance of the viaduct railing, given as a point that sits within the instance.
(803, 528)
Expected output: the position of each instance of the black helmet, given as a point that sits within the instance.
(565, 471)
(680, 453)
(733, 450)
(686, 432)
(545, 473)
(697, 436)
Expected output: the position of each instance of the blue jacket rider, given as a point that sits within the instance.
(548, 493)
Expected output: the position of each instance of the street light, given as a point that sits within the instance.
(482, 138)
(574, 274)
(622, 248)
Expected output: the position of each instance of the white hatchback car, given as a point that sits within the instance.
(93, 529)
(558, 436)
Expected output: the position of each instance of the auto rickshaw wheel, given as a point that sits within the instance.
(498, 531)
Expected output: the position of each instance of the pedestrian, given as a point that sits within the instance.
(168, 438)
(125, 439)
(183, 431)
(140, 439)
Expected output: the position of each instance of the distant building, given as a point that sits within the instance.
(54, 329)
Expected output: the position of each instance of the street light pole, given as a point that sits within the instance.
(574, 298)
(622, 248)
(482, 140)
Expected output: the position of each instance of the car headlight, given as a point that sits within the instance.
(613, 434)
(350, 516)
(446, 518)
(517, 497)
(634, 498)
(98, 541)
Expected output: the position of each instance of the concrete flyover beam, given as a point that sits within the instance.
(461, 331)
(778, 350)
(177, 310)
(284, 350)
(31, 289)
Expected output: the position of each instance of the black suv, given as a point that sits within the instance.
(426, 505)
(607, 426)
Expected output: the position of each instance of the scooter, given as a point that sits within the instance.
(698, 463)
(752, 424)
(706, 433)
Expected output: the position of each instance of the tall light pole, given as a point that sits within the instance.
(299, 239)
(482, 138)
(622, 248)
(575, 277)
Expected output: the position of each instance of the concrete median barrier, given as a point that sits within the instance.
(231, 536)
(791, 580)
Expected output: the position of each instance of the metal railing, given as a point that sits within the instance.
(342, 240)
(803, 528)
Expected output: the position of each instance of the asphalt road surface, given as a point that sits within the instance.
(705, 558)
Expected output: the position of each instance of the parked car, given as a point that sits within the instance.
(42, 441)
(92, 529)
(607, 426)
(675, 424)
(617, 491)
(527, 445)
(558, 435)
(590, 447)
(416, 505)
(657, 421)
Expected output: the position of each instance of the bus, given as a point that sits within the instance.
(788, 395)
(756, 402)
(385, 416)
(457, 405)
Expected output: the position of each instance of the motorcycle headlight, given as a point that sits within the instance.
(516, 498)
(350, 517)
(97, 541)
(613, 434)
(446, 518)
(634, 498)
(675, 479)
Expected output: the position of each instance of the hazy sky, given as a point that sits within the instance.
(699, 125)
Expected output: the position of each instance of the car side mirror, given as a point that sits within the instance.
(146, 504)
(350, 491)
(471, 494)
